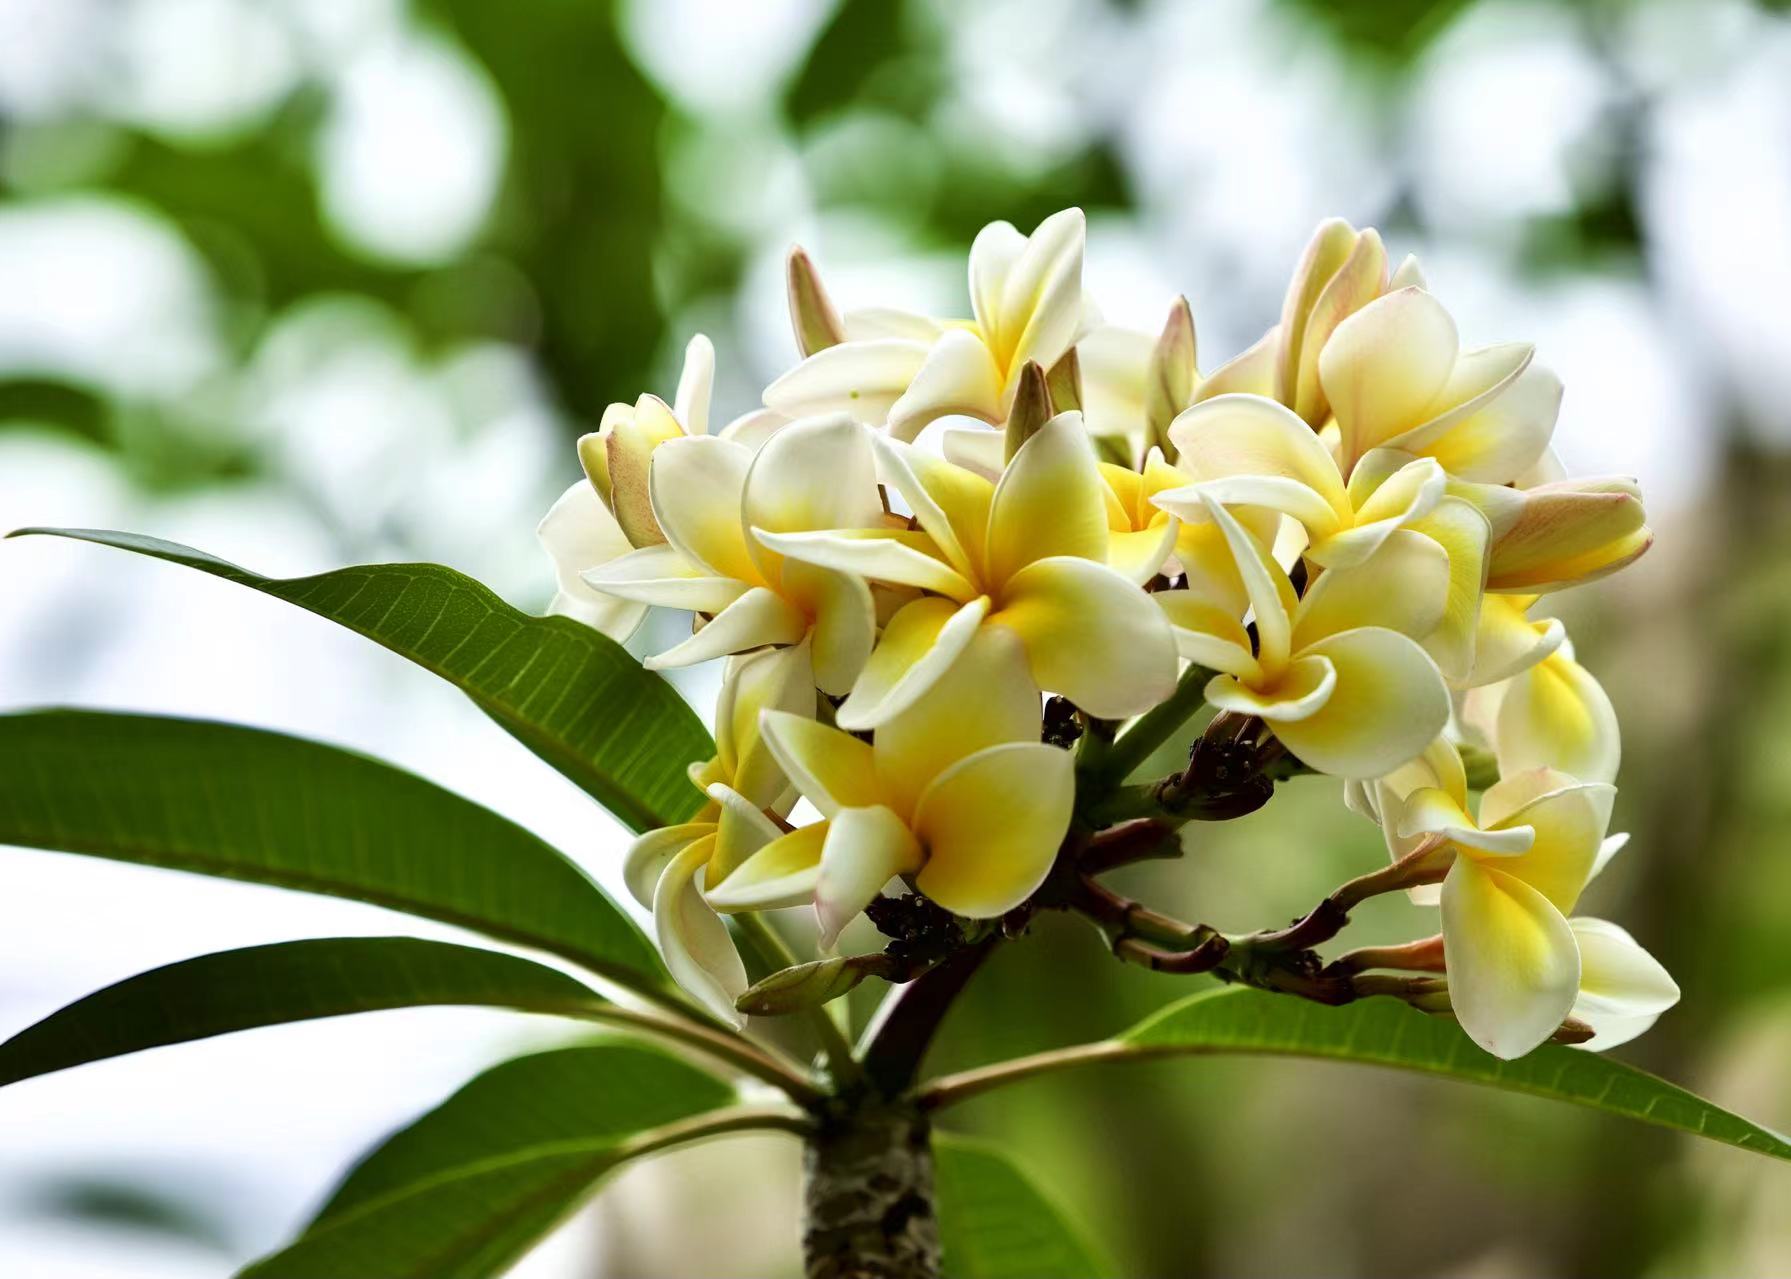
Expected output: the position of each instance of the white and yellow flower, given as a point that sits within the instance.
(670, 870)
(1560, 533)
(1027, 555)
(1338, 675)
(1396, 377)
(710, 496)
(956, 793)
(1248, 450)
(1519, 867)
(902, 371)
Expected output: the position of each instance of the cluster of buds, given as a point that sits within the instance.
(1336, 539)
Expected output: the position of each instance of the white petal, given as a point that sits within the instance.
(698, 951)
(578, 533)
(757, 618)
(865, 849)
(1513, 963)
(864, 379)
(958, 376)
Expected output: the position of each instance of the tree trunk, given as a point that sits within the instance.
(868, 1196)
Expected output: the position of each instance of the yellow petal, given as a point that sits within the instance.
(950, 503)
(844, 621)
(1389, 703)
(782, 873)
(991, 825)
(1556, 715)
(1271, 595)
(1090, 635)
(1464, 535)
(1433, 811)
(1040, 305)
(780, 679)
(1140, 556)
(1570, 824)
(832, 769)
(757, 618)
(1402, 587)
(1384, 366)
(1507, 642)
(863, 378)
(1514, 967)
(959, 376)
(1505, 433)
(812, 475)
(1049, 502)
(985, 698)
(741, 830)
(884, 555)
(919, 644)
(1209, 635)
(698, 951)
(697, 486)
(1300, 690)
(1246, 436)
(661, 576)
(863, 850)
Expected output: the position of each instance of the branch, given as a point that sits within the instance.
(1151, 729)
(899, 1036)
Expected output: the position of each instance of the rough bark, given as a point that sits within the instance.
(868, 1196)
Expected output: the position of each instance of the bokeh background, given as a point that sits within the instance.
(306, 282)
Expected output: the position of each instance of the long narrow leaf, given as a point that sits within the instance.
(574, 697)
(995, 1223)
(279, 983)
(1384, 1032)
(471, 1185)
(221, 799)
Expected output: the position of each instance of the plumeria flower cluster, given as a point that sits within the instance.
(965, 572)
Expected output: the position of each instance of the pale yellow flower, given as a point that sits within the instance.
(1250, 451)
(956, 792)
(1623, 989)
(1551, 714)
(1513, 961)
(1027, 554)
(902, 371)
(709, 496)
(1338, 675)
(670, 870)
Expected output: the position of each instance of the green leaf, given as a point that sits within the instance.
(280, 983)
(995, 1223)
(468, 1187)
(572, 696)
(242, 803)
(1385, 1032)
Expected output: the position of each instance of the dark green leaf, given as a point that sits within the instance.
(468, 1187)
(242, 803)
(574, 697)
(995, 1223)
(283, 982)
(1385, 1032)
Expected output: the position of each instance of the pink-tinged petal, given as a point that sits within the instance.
(1569, 533)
